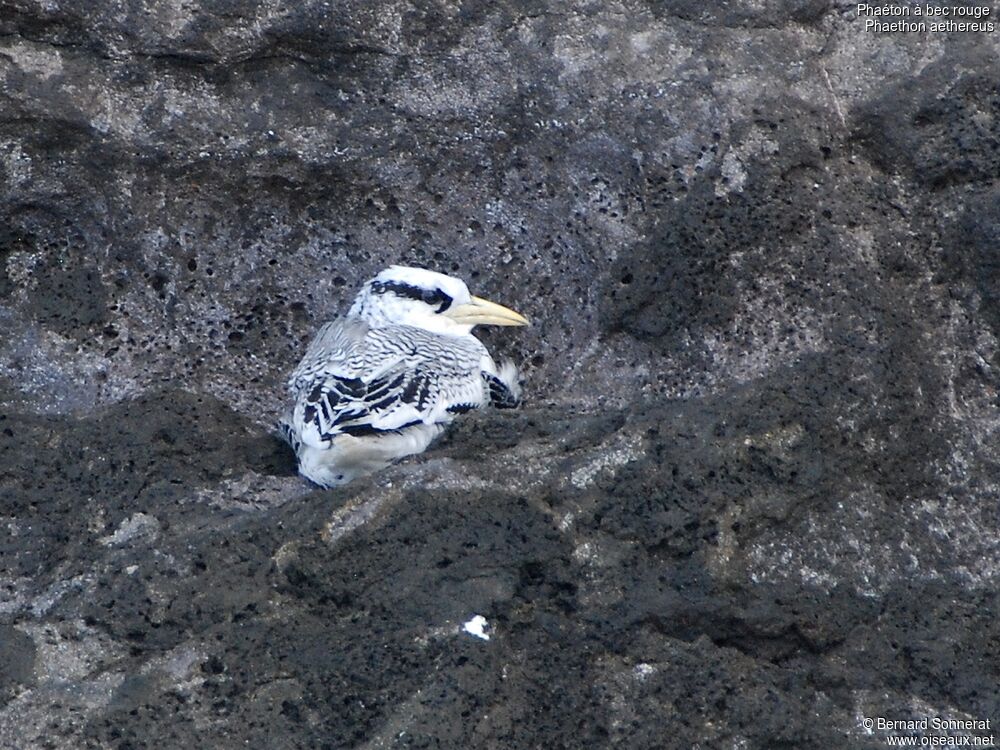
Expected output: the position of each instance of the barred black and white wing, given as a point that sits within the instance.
(362, 381)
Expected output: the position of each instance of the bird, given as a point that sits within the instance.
(382, 382)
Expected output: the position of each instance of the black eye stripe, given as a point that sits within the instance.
(439, 298)
(429, 296)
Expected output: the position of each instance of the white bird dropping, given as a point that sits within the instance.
(477, 626)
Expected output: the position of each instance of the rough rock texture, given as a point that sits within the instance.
(751, 500)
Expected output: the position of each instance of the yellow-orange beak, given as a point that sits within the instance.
(482, 312)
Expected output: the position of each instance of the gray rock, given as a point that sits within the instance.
(750, 499)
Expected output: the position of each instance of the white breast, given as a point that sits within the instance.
(349, 457)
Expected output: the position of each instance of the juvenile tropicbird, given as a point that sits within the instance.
(383, 382)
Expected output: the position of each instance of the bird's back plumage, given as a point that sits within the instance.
(357, 380)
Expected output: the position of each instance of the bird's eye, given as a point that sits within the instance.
(438, 298)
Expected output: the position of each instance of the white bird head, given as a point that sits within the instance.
(403, 295)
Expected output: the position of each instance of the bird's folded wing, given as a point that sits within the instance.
(368, 381)
(332, 345)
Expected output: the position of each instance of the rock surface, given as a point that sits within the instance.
(751, 500)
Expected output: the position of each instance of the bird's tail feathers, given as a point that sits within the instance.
(510, 376)
(287, 433)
